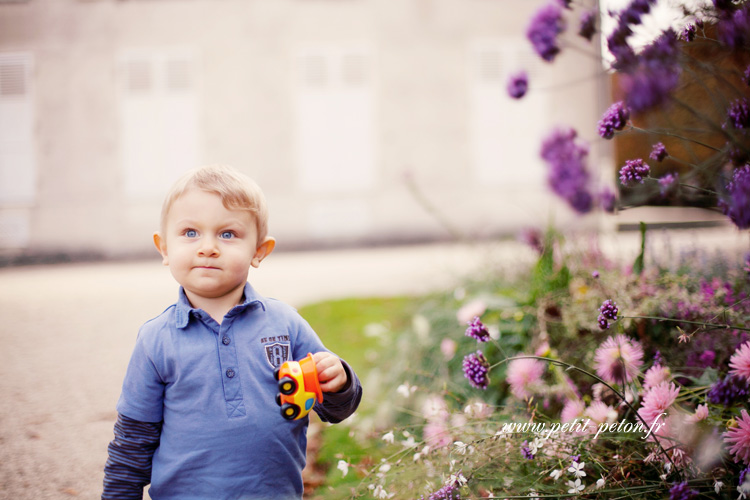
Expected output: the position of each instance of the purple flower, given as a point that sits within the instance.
(651, 77)
(476, 369)
(595, 274)
(668, 182)
(734, 27)
(739, 114)
(607, 200)
(728, 390)
(477, 330)
(746, 76)
(607, 312)
(542, 32)
(587, 26)
(518, 84)
(447, 492)
(736, 205)
(567, 175)
(707, 358)
(617, 43)
(615, 118)
(634, 171)
(681, 491)
(659, 152)
(526, 451)
(688, 34)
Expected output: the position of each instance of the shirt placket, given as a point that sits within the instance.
(229, 369)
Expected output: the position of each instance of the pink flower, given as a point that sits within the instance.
(740, 362)
(468, 311)
(437, 435)
(524, 375)
(656, 375)
(701, 413)
(448, 348)
(657, 400)
(738, 438)
(572, 410)
(618, 359)
(600, 412)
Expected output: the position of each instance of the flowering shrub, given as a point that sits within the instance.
(686, 90)
(585, 376)
(545, 403)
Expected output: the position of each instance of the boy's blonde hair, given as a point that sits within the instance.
(237, 192)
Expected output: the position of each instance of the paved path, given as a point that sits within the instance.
(68, 331)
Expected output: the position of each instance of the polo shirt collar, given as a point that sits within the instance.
(183, 309)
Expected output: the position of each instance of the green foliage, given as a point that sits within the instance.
(416, 381)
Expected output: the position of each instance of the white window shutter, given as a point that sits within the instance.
(505, 132)
(159, 120)
(335, 119)
(17, 164)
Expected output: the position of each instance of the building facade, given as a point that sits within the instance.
(365, 121)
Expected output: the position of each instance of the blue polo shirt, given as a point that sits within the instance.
(213, 387)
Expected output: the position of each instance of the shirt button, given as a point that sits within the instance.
(230, 373)
(226, 340)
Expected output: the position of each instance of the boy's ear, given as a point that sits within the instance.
(264, 250)
(161, 245)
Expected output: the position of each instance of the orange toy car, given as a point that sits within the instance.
(298, 387)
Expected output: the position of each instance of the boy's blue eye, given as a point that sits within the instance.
(227, 235)
(191, 233)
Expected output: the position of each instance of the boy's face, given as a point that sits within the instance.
(209, 249)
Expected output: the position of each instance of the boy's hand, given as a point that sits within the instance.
(331, 374)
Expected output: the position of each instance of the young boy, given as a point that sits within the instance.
(197, 417)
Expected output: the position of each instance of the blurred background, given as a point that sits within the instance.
(361, 119)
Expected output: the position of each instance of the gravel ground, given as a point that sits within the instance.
(68, 331)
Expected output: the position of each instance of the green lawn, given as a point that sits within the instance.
(341, 324)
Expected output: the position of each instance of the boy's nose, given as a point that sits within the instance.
(208, 248)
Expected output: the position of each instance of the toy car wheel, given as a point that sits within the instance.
(278, 399)
(289, 411)
(276, 373)
(287, 386)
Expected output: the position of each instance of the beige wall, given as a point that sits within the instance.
(246, 87)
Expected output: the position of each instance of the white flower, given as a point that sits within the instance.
(406, 390)
(600, 483)
(555, 474)
(461, 447)
(408, 443)
(379, 492)
(575, 486)
(385, 468)
(717, 486)
(458, 479)
(533, 494)
(343, 466)
(577, 469)
(535, 445)
(388, 437)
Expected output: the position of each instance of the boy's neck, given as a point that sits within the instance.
(217, 307)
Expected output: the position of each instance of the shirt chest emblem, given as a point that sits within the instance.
(277, 353)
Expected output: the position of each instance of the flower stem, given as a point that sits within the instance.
(725, 326)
